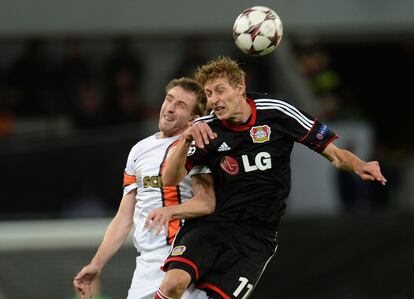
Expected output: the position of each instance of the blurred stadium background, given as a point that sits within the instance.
(82, 81)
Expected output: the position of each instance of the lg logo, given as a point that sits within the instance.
(229, 165)
(262, 161)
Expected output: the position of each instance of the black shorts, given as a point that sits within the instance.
(224, 259)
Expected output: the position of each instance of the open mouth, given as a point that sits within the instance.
(169, 118)
(218, 109)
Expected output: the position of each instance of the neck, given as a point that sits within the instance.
(243, 114)
(161, 135)
(167, 134)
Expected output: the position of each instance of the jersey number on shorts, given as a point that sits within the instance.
(243, 285)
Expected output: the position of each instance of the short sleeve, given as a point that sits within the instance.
(318, 137)
(130, 179)
(195, 156)
(199, 169)
(303, 127)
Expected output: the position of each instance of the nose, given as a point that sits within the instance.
(170, 107)
(213, 99)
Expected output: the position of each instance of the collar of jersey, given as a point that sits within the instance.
(246, 126)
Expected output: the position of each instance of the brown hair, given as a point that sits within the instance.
(193, 86)
(219, 68)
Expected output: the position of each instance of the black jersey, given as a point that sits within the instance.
(250, 163)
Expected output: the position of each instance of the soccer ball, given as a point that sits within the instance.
(257, 31)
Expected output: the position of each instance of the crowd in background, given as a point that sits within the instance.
(34, 85)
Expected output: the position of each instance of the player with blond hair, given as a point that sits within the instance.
(247, 144)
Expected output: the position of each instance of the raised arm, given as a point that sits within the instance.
(345, 160)
(201, 204)
(115, 236)
(175, 169)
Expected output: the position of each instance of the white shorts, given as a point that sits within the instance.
(148, 277)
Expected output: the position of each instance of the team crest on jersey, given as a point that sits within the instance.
(178, 250)
(260, 134)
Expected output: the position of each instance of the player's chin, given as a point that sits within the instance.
(221, 114)
(221, 118)
(166, 125)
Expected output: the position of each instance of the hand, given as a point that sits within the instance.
(371, 171)
(157, 219)
(201, 133)
(84, 279)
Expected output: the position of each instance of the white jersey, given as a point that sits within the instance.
(146, 162)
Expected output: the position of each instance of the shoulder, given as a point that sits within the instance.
(267, 100)
(141, 144)
(260, 96)
(269, 104)
(211, 119)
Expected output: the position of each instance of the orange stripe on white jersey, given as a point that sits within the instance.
(143, 169)
(129, 179)
(171, 196)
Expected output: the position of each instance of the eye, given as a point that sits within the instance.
(182, 105)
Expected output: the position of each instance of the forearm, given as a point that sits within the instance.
(117, 231)
(115, 236)
(175, 168)
(347, 161)
(195, 207)
(343, 159)
(202, 203)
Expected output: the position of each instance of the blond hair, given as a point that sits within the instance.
(219, 68)
(191, 85)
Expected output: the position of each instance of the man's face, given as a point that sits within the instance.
(176, 111)
(225, 99)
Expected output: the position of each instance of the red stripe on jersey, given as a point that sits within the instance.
(160, 295)
(321, 149)
(181, 260)
(247, 126)
(129, 179)
(170, 197)
(188, 165)
(310, 130)
(214, 288)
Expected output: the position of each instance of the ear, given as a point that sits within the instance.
(241, 87)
